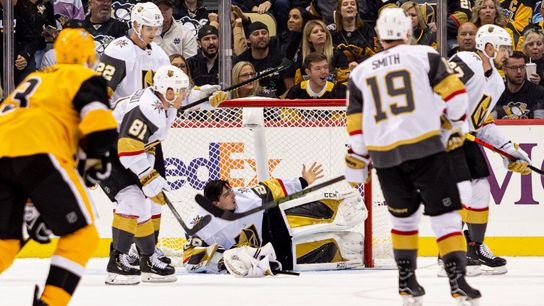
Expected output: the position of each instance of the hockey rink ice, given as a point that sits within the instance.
(523, 285)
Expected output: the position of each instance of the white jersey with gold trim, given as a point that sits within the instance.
(128, 67)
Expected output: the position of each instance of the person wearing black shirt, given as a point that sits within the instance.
(317, 86)
(262, 56)
(204, 66)
(101, 26)
(521, 99)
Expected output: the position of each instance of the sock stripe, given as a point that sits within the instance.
(67, 264)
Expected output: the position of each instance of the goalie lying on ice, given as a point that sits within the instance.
(314, 232)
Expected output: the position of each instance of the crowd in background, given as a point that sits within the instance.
(323, 39)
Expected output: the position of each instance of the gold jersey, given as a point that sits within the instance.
(52, 110)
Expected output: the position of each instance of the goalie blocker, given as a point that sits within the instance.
(314, 232)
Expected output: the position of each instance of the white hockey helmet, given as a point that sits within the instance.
(393, 24)
(146, 14)
(494, 35)
(170, 76)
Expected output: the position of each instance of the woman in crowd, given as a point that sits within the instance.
(422, 35)
(317, 38)
(244, 71)
(179, 61)
(291, 40)
(533, 48)
(356, 39)
(487, 12)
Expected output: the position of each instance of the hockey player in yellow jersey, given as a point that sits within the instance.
(42, 124)
(398, 127)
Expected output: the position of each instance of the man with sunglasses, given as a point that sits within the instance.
(478, 70)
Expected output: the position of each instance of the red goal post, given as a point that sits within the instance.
(247, 140)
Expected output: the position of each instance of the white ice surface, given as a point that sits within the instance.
(522, 286)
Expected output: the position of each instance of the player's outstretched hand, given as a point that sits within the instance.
(313, 173)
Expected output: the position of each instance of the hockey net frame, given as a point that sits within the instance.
(233, 115)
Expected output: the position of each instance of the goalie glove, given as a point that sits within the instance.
(153, 185)
(218, 97)
(521, 162)
(94, 170)
(453, 133)
(35, 225)
(251, 262)
(356, 171)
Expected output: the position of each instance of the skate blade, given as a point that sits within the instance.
(494, 270)
(409, 300)
(118, 279)
(474, 271)
(466, 301)
(155, 278)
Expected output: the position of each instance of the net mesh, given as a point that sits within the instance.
(219, 144)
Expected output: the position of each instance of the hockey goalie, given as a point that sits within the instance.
(313, 232)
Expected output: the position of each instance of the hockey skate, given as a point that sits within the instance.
(156, 271)
(479, 253)
(473, 268)
(120, 272)
(134, 256)
(409, 289)
(460, 289)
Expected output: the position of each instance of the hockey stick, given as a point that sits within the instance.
(204, 220)
(229, 215)
(263, 74)
(501, 152)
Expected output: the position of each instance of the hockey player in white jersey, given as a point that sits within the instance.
(307, 233)
(395, 122)
(484, 85)
(129, 62)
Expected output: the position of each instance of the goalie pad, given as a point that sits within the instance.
(251, 262)
(320, 212)
(200, 258)
(328, 251)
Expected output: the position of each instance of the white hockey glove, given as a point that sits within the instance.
(93, 170)
(521, 162)
(356, 171)
(153, 185)
(251, 262)
(453, 133)
(35, 225)
(207, 90)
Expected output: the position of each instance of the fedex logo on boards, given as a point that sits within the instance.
(221, 163)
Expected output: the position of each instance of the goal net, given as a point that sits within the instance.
(229, 143)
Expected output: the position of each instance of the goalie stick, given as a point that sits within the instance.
(204, 220)
(501, 152)
(263, 74)
(229, 215)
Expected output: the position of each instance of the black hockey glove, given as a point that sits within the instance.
(93, 170)
(35, 225)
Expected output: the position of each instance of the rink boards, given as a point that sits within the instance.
(516, 202)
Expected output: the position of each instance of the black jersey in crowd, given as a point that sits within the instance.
(104, 33)
(521, 104)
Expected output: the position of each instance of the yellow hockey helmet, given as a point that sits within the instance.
(74, 46)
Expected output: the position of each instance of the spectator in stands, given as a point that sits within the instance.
(244, 71)
(518, 13)
(533, 48)
(487, 12)
(102, 26)
(422, 35)
(175, 38)
(317, 38)
(193, 12)
(179, 61)
(49, 29)
(520, 99)
(263, 56)
(356, 39)
(316, 66)
(538, 14)
(205, 64)
(370, 9)
(277, 8)
(240, 22)
(68, 9)
(466, 38)
(291, 40)
(28, 29)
